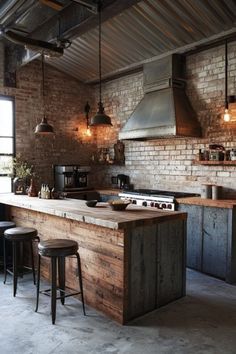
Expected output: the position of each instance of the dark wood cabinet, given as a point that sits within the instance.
(211, 240)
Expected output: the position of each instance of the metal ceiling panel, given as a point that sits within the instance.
(147, 30)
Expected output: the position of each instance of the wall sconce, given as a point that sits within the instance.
(86, 110)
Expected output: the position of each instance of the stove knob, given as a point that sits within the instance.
(163, 206)
(152, 204)
(156, 205)
(169, 206)
(145, 204)
(134, 201)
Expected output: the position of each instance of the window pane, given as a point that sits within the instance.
(6, 118)
(5, 184)
(6, 164)
(6, 146)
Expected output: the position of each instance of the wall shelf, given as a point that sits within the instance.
(215, 163)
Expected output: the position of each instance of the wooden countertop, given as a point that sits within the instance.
(101, 215)
(220, 203)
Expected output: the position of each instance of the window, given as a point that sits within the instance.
(7, 142)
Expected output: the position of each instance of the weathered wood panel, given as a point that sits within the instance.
(171, 262)
(215, 238)
(142, 270)
(194, 235)
(101, 251)
(119, 267)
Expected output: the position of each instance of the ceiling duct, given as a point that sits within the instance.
(50, 49)
(165, 109)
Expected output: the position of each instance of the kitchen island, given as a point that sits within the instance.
(133, 261)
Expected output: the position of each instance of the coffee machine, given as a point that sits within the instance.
(71, 177)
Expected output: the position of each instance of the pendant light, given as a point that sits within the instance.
(86, 110)
(100, 118)
(43, 128)
(227, 115)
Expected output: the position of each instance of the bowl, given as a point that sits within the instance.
(119, 204)
(91, 203)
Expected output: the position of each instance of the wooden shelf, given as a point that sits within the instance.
(215, 163)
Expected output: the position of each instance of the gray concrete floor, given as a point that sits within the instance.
(202, 322)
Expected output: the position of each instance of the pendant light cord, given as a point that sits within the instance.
(100, 49)
(43, 84)
(226, 75)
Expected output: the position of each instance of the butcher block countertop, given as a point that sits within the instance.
(220, 203)
(101, 215)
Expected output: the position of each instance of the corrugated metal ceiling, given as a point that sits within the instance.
(147, 30)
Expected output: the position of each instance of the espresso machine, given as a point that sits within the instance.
(71, 177)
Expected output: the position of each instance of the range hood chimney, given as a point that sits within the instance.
(165, 109)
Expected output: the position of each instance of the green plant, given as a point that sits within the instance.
(21, 168)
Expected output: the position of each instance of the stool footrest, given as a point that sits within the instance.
(48, 291)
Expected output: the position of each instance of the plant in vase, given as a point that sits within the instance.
(23, 173)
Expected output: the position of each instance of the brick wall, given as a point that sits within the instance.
(167, 163)
(64, 106)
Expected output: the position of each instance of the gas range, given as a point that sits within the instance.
(163, 200)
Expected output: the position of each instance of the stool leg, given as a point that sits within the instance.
(80, 281)
(61, 275)
(32, 260)
(38, 283)
(14, 267)
(53, 288)
(4, 260)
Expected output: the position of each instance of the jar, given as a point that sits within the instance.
(206, 190)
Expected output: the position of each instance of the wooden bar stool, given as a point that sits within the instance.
(19, 235)
(4, 225)
(57, 250)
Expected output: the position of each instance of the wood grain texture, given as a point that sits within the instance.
(101, 215)
(194, 235)
(220, 203)
(119, 267)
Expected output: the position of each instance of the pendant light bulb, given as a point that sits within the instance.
(88, 132)
(227, 115)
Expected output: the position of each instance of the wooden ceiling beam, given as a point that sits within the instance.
(54, 4)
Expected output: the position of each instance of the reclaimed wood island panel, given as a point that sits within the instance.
(132, 261)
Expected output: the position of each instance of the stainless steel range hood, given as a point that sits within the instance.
(165, 109)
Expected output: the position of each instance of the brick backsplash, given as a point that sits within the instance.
(167, 163)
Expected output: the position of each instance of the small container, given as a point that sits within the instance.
(216, 192)
(206, 190)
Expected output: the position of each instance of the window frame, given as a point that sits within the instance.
(11, 99)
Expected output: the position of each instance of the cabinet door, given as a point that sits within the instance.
(194, 235)
(215, 229)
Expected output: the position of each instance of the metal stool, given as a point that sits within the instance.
(19, 235)
(57, 250)
(4, 225)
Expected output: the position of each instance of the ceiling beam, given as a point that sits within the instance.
(77, 19)
(54, 4)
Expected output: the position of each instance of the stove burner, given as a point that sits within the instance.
(164, 200)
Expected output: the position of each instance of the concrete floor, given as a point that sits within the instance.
(202, 322)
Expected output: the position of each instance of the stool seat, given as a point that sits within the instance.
(4, 225)
(57, 248)
(20, 233)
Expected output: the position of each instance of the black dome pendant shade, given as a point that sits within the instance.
(100, 117)
(43, 128)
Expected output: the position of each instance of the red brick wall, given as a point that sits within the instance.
(167, 163)
(64, 106)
